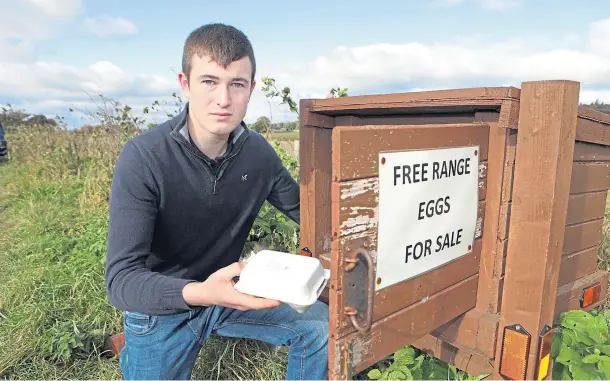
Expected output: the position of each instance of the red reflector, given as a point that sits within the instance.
(515, 350)
(590, 295)
(306, 252)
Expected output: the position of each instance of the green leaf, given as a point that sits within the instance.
(579, 321)
(568, 337)
(598, 331)
(592, 359)
(568, 356)
(605, 349)
(405, 356)
(556, 344)
(585, 372)
(560, 371)
(374, 374)
(604, 367)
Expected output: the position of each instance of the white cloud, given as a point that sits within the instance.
(52, 79)
(363, 69)
(599, 37)
(56, 8)
(105, 26)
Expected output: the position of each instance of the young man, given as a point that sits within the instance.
(183, 199)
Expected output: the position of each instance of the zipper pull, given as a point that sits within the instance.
(215, 182)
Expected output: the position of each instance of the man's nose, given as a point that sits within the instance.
(223, 97)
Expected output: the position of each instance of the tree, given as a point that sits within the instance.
(271, 91)
(261, 125)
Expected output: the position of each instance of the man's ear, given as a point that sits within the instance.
(252, 86)
(184, 84)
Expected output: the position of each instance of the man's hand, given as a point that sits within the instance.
(219, 290)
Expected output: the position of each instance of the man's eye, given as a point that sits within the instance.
(237, 84)
(208, 81)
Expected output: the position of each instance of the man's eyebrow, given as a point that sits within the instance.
(209, 76)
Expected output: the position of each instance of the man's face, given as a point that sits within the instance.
(218, 97)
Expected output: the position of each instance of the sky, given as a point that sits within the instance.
(62, 54)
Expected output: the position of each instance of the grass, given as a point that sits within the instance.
(54, 313)
(285, 135)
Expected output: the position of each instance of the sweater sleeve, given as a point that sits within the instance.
(285, 193)
(130, 285)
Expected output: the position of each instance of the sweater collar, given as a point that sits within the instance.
(179, 125)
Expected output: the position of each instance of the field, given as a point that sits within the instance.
(54, 314)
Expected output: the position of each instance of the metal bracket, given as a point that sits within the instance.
(359, 286)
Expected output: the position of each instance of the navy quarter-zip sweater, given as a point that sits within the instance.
(177, 216)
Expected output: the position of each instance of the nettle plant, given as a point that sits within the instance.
(581, 346)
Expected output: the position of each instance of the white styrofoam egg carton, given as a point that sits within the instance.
(296, 280)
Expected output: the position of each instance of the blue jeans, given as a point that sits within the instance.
(166, 347)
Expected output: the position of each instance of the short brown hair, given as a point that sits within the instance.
(223, 43)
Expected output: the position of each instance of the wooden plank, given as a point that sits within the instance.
(475, 329)
(591, 152)
(418, 119)
(568, 295)
(463, 358)
(595, 115)
(592, 131)
(582, 236)
(545, 149)
(402, 328)
(583, 207)
(315, 178)
(577, 265)
(502, 144)
(467, 96)
(586, 207)
(359, 204)
(357, 148)
(590, 177)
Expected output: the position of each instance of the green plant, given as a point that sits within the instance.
(581, 346)
(410, 363)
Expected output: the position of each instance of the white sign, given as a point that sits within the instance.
(428, 201)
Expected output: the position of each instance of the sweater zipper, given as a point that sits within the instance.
(235, 153)
(219, 171)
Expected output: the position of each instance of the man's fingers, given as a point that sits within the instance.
(232, 270)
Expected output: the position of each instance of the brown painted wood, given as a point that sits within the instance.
(590, 177)
(315, 177)
(582, 236)
(582, 207)
(591, 152)
(468, 96)
(586, 207)
(475, 329)
(403, 327)
(545, 149)
(464, 358)
(592, 131)
(592, 114)
(577, 265)
(568, 295)
(502, 145)
(357, 148)
(418, 119)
